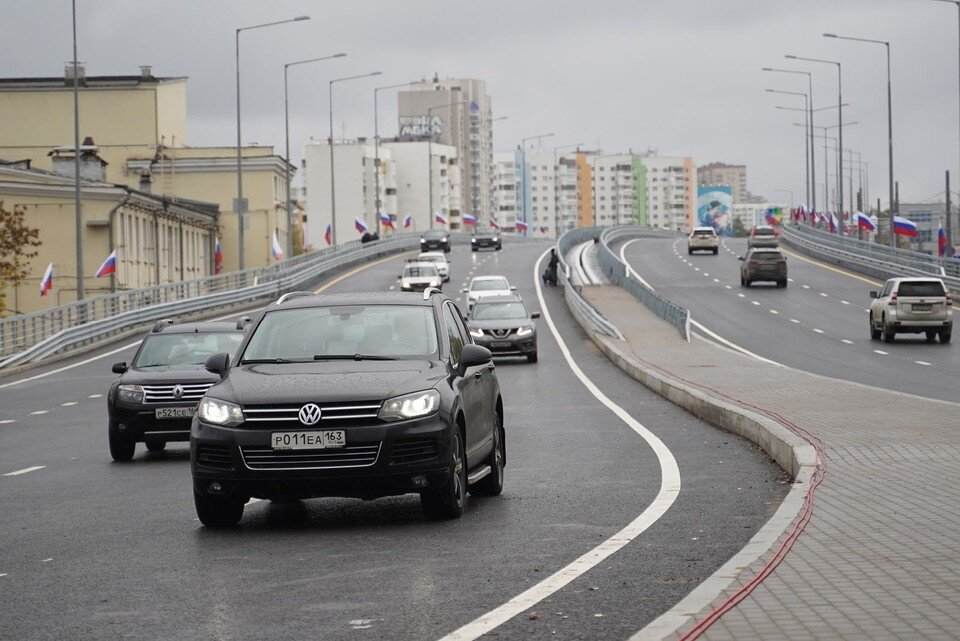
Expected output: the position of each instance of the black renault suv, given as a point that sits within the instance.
(356, 395)
(156, 396)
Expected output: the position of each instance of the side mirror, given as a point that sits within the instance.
(740, 258)
(243, 322)
(217, 363)
(119, 368)
(535, 315)
(464, 290)
(513, 288)
(873, 294)
(474, 355)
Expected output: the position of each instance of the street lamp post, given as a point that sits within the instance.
(333, 182)
(78, 205)
(949, 228)
(241, 206)
(813, 166)
(523, 175)
(286, 130)
(430, 153)
(806, 138)
(886, 44)
(839, 119)
(376, 147)
(556, 186)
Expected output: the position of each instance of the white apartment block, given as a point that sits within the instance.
(506, 186)
(549, 190)
(614, 190)
(413, 162)
(671, 192)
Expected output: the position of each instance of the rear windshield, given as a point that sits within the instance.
(420, 271)
(763, 232)
(767, 256)
(704, 232)
(489, 285)
(921, 288)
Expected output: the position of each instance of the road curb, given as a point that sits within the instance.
(797, 457)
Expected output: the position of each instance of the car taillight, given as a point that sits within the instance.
(893, 300)
(949, 299)
(752, 263)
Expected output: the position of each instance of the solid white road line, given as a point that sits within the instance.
(25, 470)
(733, 346)
(7, 421)
(630, 269)
(669, 490)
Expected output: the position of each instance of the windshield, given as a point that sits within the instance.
(763, 232)
(498, 311)
(419, 271)
(318, 332)
(435, 234)
(185, 351)
(927, 288)
(765, 256)
(489, 285)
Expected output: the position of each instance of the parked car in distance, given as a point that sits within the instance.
(356, 395)
(503, 325)
(484, 238)
(763, 264)
(439, 259)
(435, 239)
(703, 239)
(482, 286)
(417, 276)
(763, 236)
(912, 306)
(156, 395)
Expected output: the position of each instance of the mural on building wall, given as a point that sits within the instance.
(714, 206)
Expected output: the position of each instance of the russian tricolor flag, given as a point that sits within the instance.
(521, 225)
(941, 241)
(328, 234)
(46, 283)
(407, 221)
(277, 249)
(494, 223)
(217, 257)
(469, 219)
(440, 218)
(834, 223)
(904, 227)
(386, 221)
(360, 226)
(864, 222)
(108, 266)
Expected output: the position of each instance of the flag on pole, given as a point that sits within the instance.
(941, 240)
(328, 234)
(407, 221)
(108, 266)
(834, 223)
(469, 219)
(386, 221)
(863, 221)
(904, 227)
(217, 257)
(494, 223)
(543, 229)
(277, 249)
(440, 218)
(521, 225)
(360, 226)
(46, 283)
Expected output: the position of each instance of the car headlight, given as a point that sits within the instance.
(495, 239)
(423, 240)
(476, 333)
(524, 331)
(219, 412)
(130, 393)
(410, 406)
(443, 240)
(473, 240)
(404, 285)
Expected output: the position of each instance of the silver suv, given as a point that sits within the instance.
(703, 238)
(912, 306)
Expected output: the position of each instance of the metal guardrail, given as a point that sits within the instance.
(577, 303)
(619, 273)
(871, 259)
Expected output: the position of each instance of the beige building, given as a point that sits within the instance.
(157, 240)
(734, 176)
(138, 125)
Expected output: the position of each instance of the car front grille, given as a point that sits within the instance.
(500, 333)
(414, 450)
(331, 414)
(166, 393)
(215, 456)
(265, 458)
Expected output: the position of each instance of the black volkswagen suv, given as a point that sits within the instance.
(356, 395)
(155, 397)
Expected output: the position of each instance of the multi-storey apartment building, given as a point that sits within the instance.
(720, 173)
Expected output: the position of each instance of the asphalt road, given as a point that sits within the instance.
(94, 549)
(817, 324)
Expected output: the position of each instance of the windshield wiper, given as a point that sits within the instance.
(351, 357)
(276, 361)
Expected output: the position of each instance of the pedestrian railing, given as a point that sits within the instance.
(575, 301)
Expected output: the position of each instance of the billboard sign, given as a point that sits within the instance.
(714, 207)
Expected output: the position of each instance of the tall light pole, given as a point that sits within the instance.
(430, 110)
(806, 139)
(813, 165)
(523, 175)
(286, 130)
(556, 186)
(839, 119)
(240, 206)
(333, 182)
(376, 147)
(949, 228)
(78, 205)
(886, 44)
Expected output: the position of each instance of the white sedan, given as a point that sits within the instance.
(486, 286)
(440, 260)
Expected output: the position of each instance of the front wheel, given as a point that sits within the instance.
(492, 483)
(447, 500)
(122, 445)
(874, 332)
(218, 511)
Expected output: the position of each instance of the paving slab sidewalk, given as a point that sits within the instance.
(880, 558)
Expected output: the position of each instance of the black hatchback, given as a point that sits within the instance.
(155, 397)
(355, 395)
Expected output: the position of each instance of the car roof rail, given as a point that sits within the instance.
(430, 291)
(242, 322)
(289, 295)
(163, 322)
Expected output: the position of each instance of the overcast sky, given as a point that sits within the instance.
(681, 76)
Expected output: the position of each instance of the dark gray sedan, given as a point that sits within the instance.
(503, 325)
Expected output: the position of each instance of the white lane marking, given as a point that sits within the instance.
(819, 331)
(631, 270)
(7, 421)
(881, 352)
(845, 302)
(392, 287)
(844, 340)
(790, 280)
(728, 286)
(794, 320)
(696, 269)
(46, 560)
(669, 490)
(734, 346)
(25, 470)
(773, 311)
(742, 295)
(39, 412)
(705, 274)
(923, 363)
(68, 404)
(806, 286)
(95, 396)
(3, 574)
(755, 302)
(716, 280)
(824, 294)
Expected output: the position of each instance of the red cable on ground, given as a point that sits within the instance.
(733, 600)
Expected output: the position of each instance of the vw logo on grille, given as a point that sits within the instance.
(309, 414)
(177, 391)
